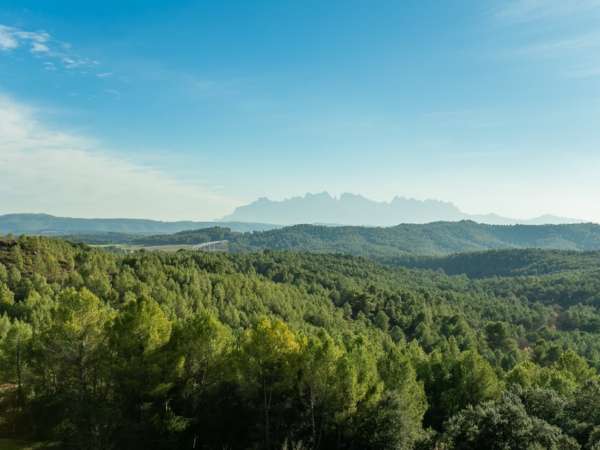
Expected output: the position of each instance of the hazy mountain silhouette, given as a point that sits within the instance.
(52, 225)
(352, 209)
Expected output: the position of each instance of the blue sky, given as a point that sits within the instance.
(185, 109)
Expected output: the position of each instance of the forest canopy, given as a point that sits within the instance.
(296, 350)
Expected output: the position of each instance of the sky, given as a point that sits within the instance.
(187, 109)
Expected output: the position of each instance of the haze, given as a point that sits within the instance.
(190, 110)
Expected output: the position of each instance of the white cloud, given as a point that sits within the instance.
(74, 63)
(11, 38)
(41, 43)
(7, 40)
(38, 47)
(45, 170)
(32, 36)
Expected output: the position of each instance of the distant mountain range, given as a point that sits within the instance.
(351, 209)
(435, 238)
(265, 214)
(50, 225)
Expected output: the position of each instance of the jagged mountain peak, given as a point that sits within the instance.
(355, 209)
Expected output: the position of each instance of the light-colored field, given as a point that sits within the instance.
(166, 248)
(162, 248)
(153, 248)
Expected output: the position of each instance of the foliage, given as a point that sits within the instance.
(286, 350)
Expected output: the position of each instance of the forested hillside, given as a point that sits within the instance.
(183, 238)
(505, 263)
(188, 237)
(283, 350)
(439, 238)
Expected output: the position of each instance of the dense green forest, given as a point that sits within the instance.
(274, 350)
(505, 263)
(438, 238)
(186, 237)
(434, 239)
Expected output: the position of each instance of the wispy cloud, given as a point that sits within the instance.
(558, 47)
(7, 40)
(12, 38)
(562, 31)
(47, 170)
(584, 72)
(42, 44)
(113, 93)
(532, 10)
(38, 47)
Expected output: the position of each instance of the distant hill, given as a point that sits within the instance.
(439, 238)
(407, 240)
(188, 237)
(399, 245)
(504, 263)
(50, 225)
(432, 239)
(351, 209)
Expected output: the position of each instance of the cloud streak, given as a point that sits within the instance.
(584, 72)
(564, 31)
(12, 38)
(42, 44)
(533, 10)
(571, 46)
(45, 170)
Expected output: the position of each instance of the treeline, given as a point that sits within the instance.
(401, 241)
(438, 238)
(502, 263)
(188, 237)
(283, 350)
